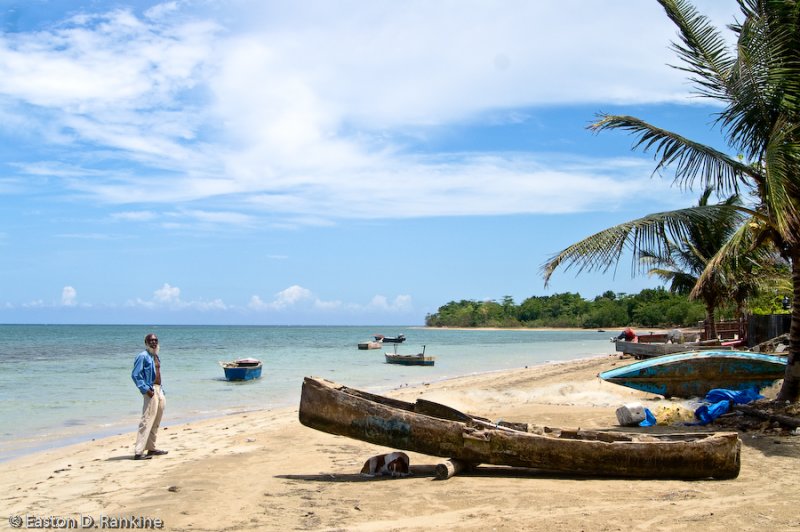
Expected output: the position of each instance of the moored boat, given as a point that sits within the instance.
(410, 360)
(370, 345)
(418, 359)
(243, 369)
(430, 428)
(693, 374)
(399, 339)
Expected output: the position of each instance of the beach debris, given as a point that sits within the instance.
(396, 464)
(631, 414)
(779, 344)
(675, 414)
(174, 489)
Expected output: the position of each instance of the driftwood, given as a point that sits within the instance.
(787, 421)
(396, 424)
(449, 468)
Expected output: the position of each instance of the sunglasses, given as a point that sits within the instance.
(153, 341)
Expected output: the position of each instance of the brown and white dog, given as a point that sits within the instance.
(393, 464)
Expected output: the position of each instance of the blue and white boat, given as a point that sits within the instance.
(695, 373)
(244, 369)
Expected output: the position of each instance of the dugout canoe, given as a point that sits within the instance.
(695, 373)
(430, 428)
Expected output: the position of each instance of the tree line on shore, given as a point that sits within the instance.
(652, 307)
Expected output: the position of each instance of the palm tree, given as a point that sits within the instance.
(758, 83)
(686, 259)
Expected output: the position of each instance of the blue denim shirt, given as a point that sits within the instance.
(144, 372)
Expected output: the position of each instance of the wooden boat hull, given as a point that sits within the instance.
(399, 339)
(694, 374)
(370, 345)
(241, 371)
(437, 430)
(410, 360)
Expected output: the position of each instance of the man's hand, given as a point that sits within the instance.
(150, 393)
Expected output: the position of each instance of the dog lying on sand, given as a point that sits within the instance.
(394, 464)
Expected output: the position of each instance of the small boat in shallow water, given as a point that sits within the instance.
(410, 360)
(370, 345)
(430, 428)
(695, 373)
(244, 369)
(399, 339)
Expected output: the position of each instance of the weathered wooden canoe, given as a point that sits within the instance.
(430, 428)
(410, 360)
(695, 373)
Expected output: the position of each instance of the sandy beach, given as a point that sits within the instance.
(264, 471)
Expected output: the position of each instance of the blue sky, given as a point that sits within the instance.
(313, 162)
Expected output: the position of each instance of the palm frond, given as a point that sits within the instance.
(749, 243)
(703, 50)
(692, 160)
(765, 81)
(781, 158)
(649, 235)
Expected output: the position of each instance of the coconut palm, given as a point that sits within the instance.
(758, 84)
(687, 258)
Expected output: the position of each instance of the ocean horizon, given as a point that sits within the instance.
(63, 384)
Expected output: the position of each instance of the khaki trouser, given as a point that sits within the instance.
(152, 411)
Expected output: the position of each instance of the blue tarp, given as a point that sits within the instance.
(649, 419)
(718, 401)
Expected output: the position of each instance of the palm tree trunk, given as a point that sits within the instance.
(790, 391)
(710, 325)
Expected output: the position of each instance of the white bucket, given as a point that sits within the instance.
(631, 414)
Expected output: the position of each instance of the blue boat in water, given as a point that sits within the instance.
(244, 369)
(695, 373)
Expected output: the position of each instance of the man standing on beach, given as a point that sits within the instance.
(147, 377)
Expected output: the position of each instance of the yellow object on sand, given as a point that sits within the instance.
(674, 414)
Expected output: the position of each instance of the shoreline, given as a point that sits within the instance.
(21, 447)
(649, 330)
(299, 478)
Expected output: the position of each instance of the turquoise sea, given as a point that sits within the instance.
(61, 384)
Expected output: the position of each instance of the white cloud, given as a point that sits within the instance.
(399, 304)
(292, 295)
(169, 297)
(167, 294)
(291, 112)
(69, 296)
(288, 297)
(296, 296)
